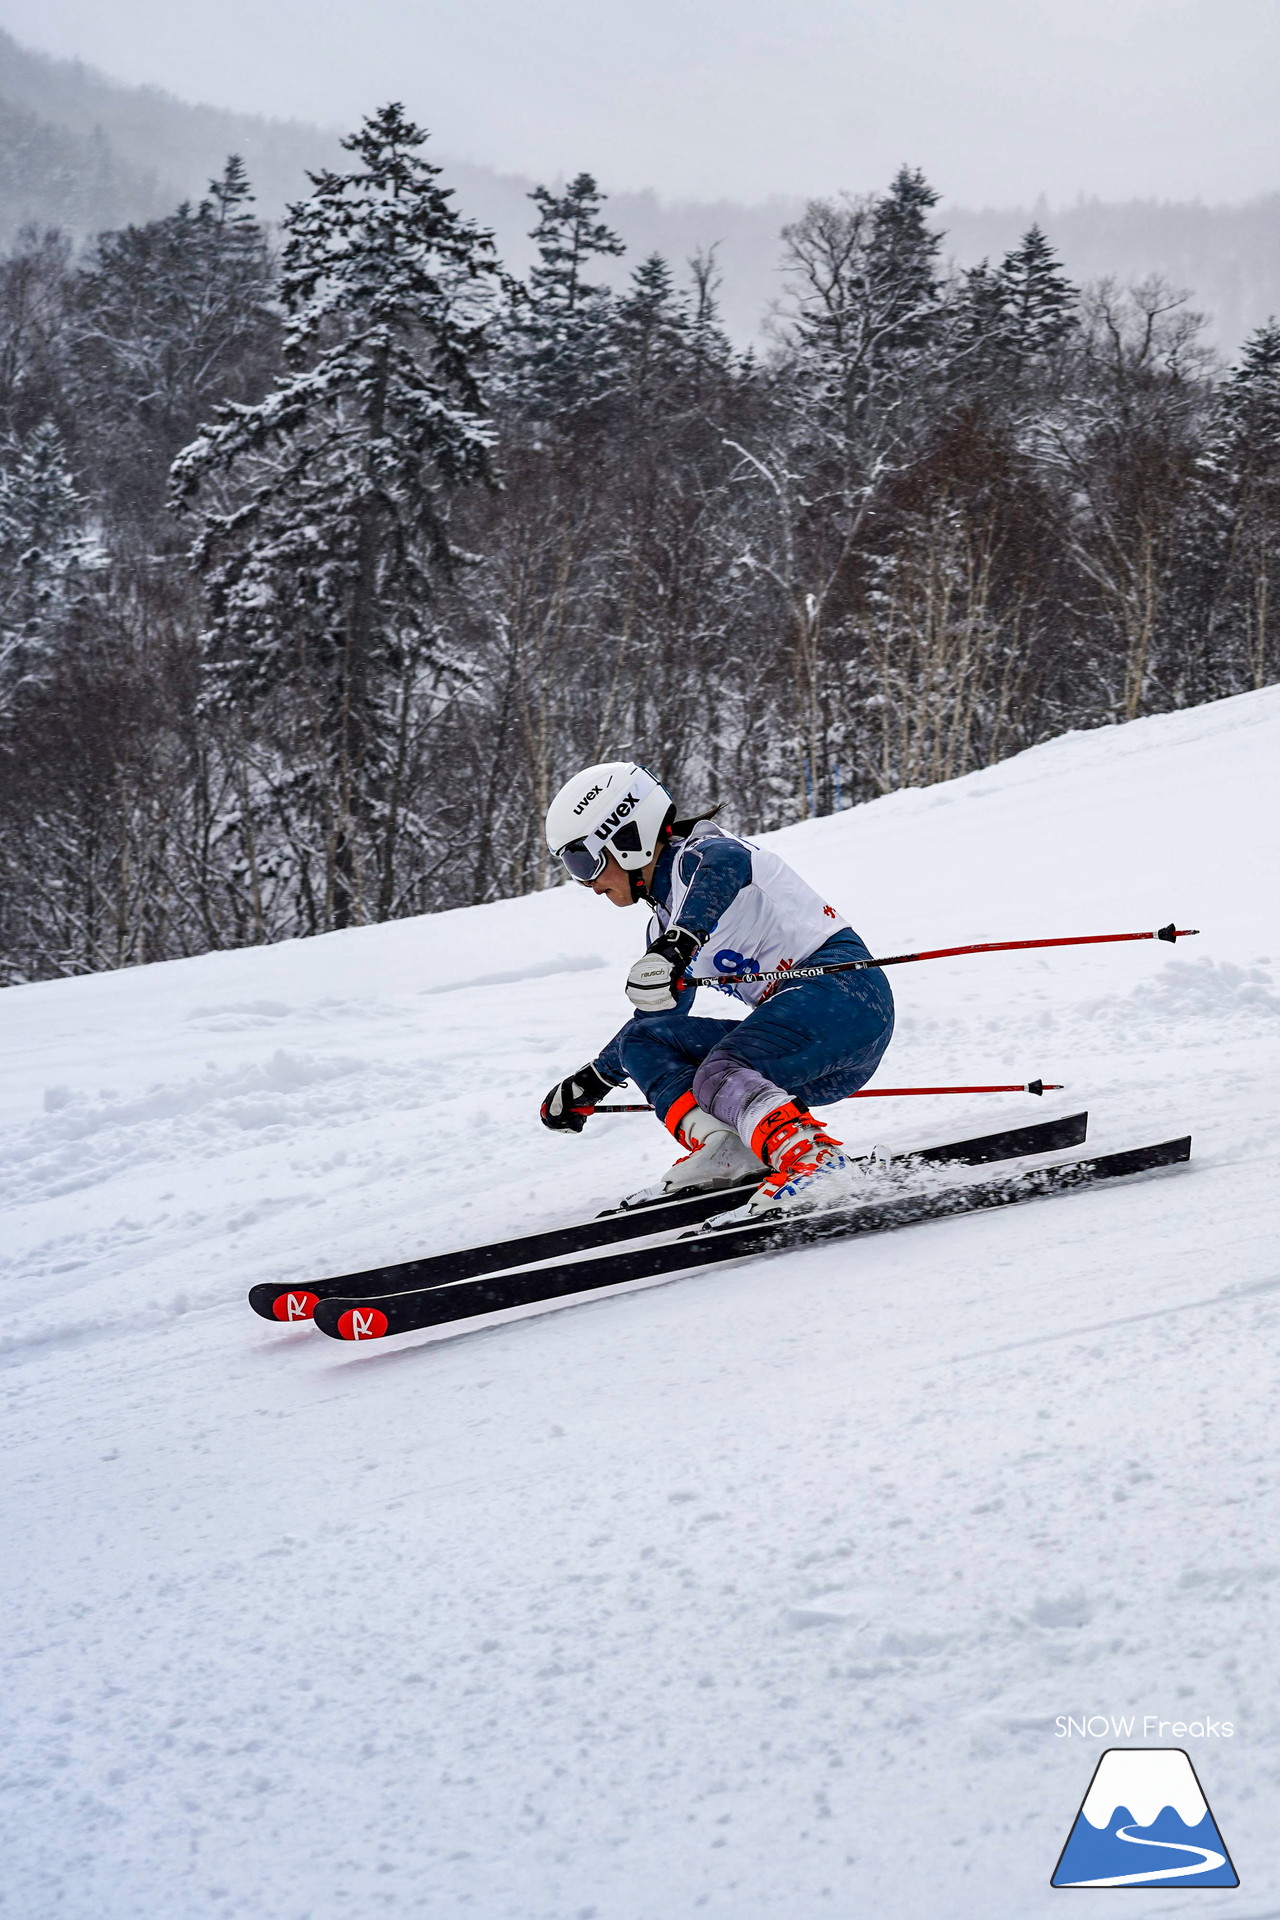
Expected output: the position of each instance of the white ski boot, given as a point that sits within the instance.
(806, 1166)
(716, 1158)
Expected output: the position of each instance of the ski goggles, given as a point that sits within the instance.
(582, 860)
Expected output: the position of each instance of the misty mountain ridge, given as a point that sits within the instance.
(86, 153)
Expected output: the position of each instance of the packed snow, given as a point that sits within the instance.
(761, 1592)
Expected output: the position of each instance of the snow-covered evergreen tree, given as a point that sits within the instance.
(561, 352)
(902, 260)
(324, 509)
(866, 296)
(1240, 489)
(569, 234)
(46, 554)
(653, 329)
(35, 290)
(1008, 321)
(853, 385)
(1038, 302)
(671, 349)
(170, 319)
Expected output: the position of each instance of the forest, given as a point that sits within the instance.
(328, 551)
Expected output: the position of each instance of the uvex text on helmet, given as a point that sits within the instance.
(618, 808)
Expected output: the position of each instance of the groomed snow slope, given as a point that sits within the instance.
(755, 1593)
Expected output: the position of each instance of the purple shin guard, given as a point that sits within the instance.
(735, 1093)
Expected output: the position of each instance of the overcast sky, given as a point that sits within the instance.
(998, 100)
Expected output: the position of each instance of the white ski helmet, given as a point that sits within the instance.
(616, 808)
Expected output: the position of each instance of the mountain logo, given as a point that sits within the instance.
(1144, 1823)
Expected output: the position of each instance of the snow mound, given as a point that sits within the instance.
(1191, 991)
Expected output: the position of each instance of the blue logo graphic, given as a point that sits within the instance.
(727, 961)
(1145, 1823)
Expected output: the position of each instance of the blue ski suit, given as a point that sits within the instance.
(811, 1041)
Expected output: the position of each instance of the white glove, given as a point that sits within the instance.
(652, 983)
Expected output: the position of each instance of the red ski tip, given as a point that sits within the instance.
(1172, 932)
(295, 1306)
(362, 1323)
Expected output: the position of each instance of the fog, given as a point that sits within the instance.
(1000, 101)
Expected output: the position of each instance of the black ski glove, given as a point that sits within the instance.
(651, 981)
(571, 1102)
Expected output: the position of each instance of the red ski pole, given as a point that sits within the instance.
(892, 1093)
(1170, 933)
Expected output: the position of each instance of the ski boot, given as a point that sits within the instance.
(805, 1165)
(716, 1158)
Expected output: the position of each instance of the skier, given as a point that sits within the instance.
(734, 1093)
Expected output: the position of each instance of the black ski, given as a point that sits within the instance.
(373, 1319)
(276, 1302)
